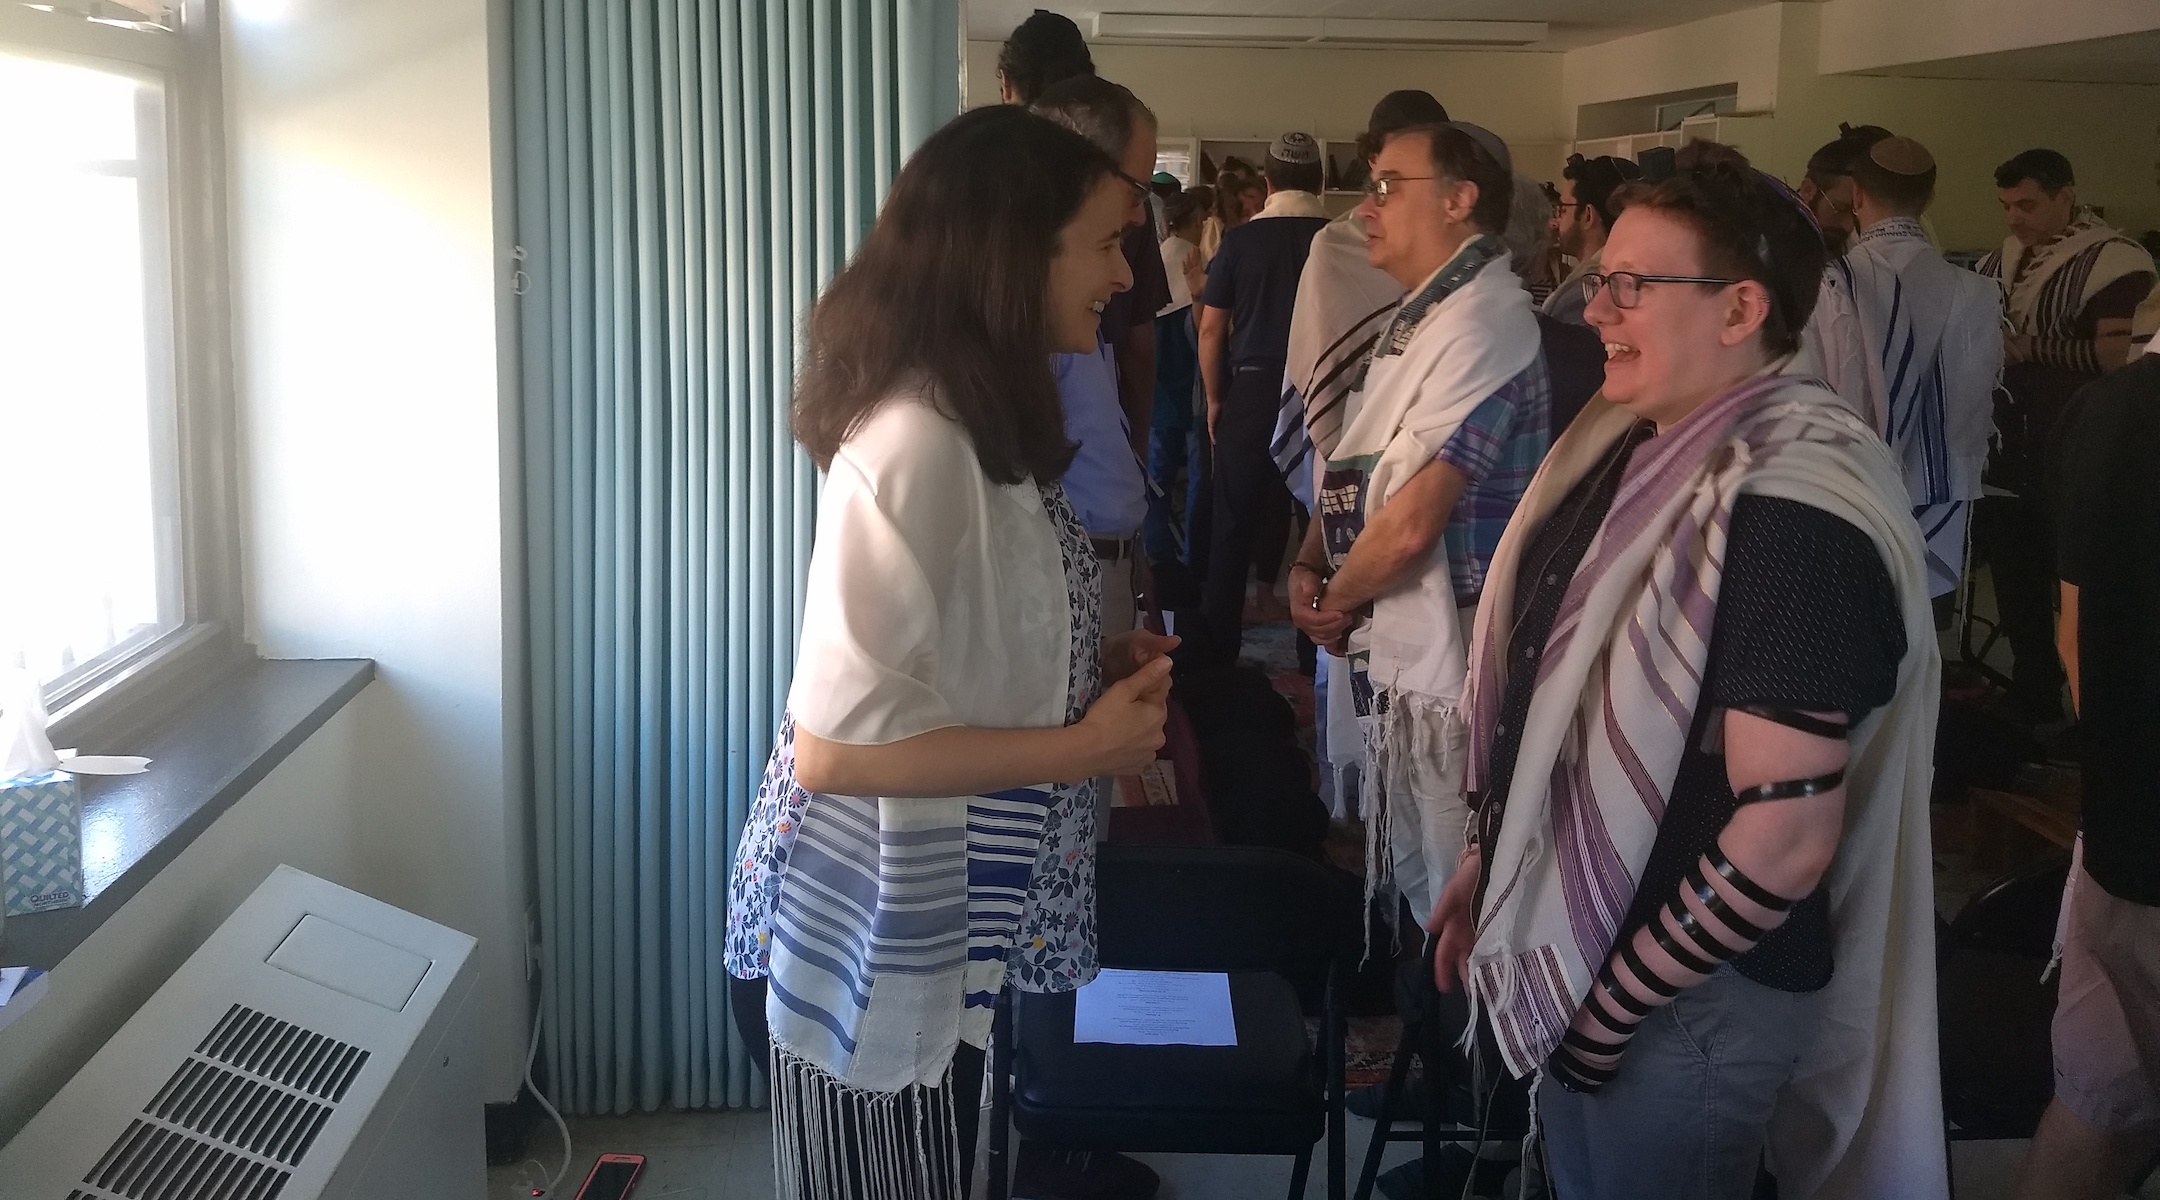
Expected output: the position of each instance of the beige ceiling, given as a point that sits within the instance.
(1573, 22)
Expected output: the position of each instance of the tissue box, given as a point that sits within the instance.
(41, 842)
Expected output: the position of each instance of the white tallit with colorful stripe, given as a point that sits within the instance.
(1615, 702)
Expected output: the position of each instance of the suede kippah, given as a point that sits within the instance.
(1489, 140)
(1401, 110)
(1902, 156)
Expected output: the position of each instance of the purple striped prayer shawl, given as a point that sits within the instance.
(1625, 748)
(1618, 686)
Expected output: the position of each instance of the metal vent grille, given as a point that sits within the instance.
(284, 1053)
(153, 1163)
(238, 1111)
(245, 1107)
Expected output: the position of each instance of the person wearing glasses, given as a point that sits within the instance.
(1108, 481)
(1436, 444)
(1344, 302)
(1581, 222)
(1827, 187)
(1917, 350)
(1697, 903)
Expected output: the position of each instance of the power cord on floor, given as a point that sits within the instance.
(532, 1052)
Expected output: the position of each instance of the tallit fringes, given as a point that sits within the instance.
(1531, 1132)
(835, 1142)
(1372, 805)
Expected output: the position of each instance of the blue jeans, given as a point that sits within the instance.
(1684, 1120)
(1171, 451)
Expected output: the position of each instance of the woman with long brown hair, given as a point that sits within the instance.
(925, 830)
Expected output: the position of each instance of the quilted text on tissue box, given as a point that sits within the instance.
(41, 842)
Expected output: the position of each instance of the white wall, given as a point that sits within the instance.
(369, 245)
(1222, 92)
(366, 214)
(1775, 53)
(1737, 48)
(1860, 35)
(303, 813)
(1971, 126)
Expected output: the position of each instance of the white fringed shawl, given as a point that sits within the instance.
(1461, 337)
(1615, 701)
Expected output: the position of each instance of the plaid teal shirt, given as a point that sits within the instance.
(1499, 447)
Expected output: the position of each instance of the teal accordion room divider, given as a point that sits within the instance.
(688, 175)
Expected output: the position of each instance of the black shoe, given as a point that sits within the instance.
(1043, 1173)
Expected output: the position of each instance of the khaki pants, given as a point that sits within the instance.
(1120, 611)
(1120, 614)
(2107, 1014)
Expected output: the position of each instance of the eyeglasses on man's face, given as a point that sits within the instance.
(1381, 187)
(1627, 285)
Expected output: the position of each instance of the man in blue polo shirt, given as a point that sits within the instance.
(1244, 341)
(1107, 482)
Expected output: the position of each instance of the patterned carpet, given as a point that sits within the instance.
(1273, 649)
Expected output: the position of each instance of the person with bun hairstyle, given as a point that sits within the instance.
(1041, 51)
(1696, 899)
(1239, 195)
(1827, 186)
(1582, 219)
(1915, 344)
(924, 834)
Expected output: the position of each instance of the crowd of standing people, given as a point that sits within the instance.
(1617, 511)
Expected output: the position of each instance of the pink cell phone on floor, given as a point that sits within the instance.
(612, 1177)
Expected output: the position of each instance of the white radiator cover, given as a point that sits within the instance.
(321, 1045)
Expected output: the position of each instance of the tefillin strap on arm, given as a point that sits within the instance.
(1697, 939)
(1791, 789)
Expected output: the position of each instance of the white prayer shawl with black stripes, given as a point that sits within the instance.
(1925, 355)
(2047, 286)
(1343, 303)
(1607, 727)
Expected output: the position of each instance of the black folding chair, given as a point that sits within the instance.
(1285, 928)
(1993, 1010)
(1457, 1108)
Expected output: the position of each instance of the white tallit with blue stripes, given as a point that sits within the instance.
(1917, 349)
(935, 598)
(919, 897)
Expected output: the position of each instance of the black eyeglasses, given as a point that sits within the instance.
(1627, 285)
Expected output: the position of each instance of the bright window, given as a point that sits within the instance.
(90, 524)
